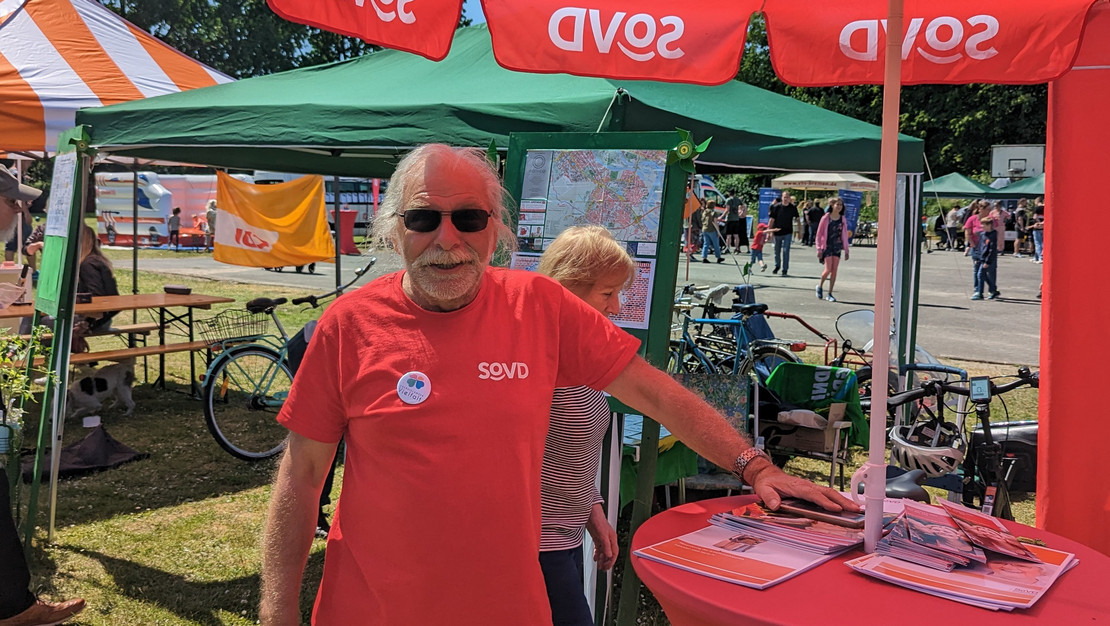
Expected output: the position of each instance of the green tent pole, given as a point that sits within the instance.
(335, 222)
(649, 455)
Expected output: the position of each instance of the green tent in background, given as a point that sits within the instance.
(355, 118)
(1024, 188)
(954, 185)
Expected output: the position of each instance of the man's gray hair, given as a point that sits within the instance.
(388, 224)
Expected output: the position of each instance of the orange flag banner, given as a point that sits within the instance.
(271, 225)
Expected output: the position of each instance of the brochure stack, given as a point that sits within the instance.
(957, 553)
(756, 547)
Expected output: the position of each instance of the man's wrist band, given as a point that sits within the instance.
(742, 461)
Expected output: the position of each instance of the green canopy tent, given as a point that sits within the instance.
(954, 185)
(1025, 188)
(355, 118)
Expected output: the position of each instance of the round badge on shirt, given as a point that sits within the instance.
(414, 388)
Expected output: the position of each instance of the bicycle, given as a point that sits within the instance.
(738, 353)
(246, 385)
(938, 447)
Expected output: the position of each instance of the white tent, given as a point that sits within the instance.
(57, 56)
(830, 181)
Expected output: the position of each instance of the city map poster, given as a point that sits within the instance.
(621, 190)
(635, 299)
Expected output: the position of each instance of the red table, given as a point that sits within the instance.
(834, 594)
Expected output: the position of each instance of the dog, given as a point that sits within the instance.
(87, 393)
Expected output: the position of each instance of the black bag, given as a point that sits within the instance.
(298, 345)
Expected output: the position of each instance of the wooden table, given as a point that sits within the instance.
(163, 302)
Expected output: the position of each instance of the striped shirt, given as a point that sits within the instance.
(579, 419)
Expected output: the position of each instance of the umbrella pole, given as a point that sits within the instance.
(873, 473)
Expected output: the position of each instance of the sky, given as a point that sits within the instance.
(473, 10)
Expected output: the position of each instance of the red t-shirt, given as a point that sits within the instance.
(438, 521)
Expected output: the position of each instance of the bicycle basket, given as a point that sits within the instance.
(231, 324)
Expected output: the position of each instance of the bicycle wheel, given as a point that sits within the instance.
(242, 397)
(764, 360)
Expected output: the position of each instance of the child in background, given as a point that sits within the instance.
(174, 225)
(757, 246)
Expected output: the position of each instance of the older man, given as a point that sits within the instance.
(782, 217)
(440, 379)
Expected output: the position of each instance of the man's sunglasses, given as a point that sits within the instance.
(464, 220)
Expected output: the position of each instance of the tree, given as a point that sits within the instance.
(241, 39)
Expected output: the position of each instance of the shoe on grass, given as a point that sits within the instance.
(820, 294)
(976, 296)
(43, 613)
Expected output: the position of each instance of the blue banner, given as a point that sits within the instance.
(852, 201)
(767, 195)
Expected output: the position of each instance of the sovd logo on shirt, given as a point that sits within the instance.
(501, 371)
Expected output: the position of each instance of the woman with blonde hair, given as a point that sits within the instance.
(593, 266)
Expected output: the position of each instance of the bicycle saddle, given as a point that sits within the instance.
(908, 485)
(749, 309)
(264, 305)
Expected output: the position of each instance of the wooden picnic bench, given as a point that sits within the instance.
(138, 351)
(161, 302)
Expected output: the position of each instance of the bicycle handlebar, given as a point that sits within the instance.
(314, 301)
(930, 388)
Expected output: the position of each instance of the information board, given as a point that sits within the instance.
(620, 181)
(767, 196)
(66, 195)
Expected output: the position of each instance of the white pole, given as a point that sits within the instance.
(873, 473)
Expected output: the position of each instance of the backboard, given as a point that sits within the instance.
(1017, 161)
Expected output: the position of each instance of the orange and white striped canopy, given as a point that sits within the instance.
(57, 56)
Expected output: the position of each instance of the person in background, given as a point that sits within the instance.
(999, 215)
(831, 239)
(439, 379)
(783, 216)
(174, 226)
(813, 217)
(807, 233)
(736, 224)
(1021, 225)
(952, 225)
(983, 242)
(761, 234)
(1038, 231)
(18, 606)
(210, 230)
(710, 233)
(593, 266)
(95, 275)
(695, 227)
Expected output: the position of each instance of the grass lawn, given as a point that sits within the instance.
(174, 539)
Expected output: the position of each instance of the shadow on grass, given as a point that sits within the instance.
(198, 602)
(185, 463)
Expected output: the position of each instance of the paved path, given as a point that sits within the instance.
(950, 325)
